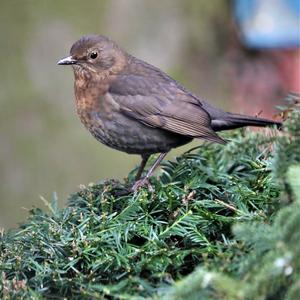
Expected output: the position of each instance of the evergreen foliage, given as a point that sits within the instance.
(217, 224)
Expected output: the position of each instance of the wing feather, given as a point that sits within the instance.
(162, 104)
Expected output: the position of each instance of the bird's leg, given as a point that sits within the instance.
(155, 165)
(139, 173)
(141, 182)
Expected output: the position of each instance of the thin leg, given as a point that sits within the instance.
(141, 182)
(155, 165)
(139, 173)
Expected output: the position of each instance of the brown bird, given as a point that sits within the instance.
(132, 106)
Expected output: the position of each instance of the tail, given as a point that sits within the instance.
(232, 121)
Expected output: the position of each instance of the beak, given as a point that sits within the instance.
(67, 61)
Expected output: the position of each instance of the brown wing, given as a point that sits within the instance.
(161, 103)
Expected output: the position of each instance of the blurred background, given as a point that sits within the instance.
(241, 55)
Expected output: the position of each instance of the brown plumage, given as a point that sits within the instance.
(132, 106)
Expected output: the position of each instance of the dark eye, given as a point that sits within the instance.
(93, 55)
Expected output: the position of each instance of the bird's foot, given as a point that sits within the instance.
(141, 183)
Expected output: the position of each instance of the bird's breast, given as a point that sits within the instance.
(90, 99)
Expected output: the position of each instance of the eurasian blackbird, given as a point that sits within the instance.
(132, 106)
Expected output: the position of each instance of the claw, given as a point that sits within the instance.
(141, 183)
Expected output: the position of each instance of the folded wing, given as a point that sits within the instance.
(162, 104)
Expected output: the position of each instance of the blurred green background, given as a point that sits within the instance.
(44, 147)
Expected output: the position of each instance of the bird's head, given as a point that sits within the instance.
(95, 53)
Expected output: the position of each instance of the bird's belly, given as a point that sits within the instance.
(131, 136)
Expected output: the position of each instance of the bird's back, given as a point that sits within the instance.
(220, 120)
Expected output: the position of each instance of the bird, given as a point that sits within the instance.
(134, 107)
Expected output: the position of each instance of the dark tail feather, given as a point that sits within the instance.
(232, 121)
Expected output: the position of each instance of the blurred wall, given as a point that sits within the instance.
(44, 147)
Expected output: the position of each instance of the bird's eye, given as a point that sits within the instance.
(93, 55)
